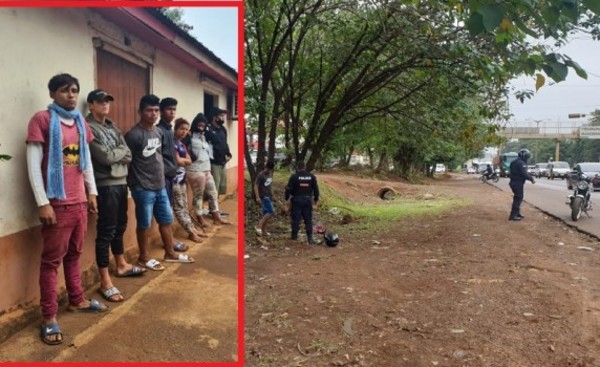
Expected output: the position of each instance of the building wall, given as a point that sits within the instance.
(171, 78)
(42, 43)
(25, 74)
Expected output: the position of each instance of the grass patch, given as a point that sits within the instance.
(392, 210)
(367, 217)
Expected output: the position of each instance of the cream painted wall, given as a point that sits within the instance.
(174, 79)
(38, 50)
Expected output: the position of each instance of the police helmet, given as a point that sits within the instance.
(331, 239)
(524, 154)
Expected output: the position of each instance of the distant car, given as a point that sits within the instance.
(539, 170)
(590, 169)
(279, 157)
(557, 169)
(440, 168)
(530, 169)
(471, 170)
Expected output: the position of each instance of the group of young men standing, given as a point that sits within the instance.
(78, 165)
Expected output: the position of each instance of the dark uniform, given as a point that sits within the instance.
(302, 187)
(489, 171)
(518, 176)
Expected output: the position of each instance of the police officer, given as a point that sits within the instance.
(301, 188)
(489, 171)
(518, 176)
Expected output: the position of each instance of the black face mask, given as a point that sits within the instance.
(220, 122)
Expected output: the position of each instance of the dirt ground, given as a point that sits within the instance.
(462, 288)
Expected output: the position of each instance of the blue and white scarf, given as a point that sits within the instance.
(56, 187)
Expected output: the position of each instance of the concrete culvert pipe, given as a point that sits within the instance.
(386, 193)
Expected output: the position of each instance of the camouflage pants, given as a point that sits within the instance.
(203, 183)
(180, 207)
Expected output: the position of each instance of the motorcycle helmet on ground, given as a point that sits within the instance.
(331, 239)
(524, 154)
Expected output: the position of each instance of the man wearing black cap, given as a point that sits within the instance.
(217, 137)
(110, 157)
(168, 111)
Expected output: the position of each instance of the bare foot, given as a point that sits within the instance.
(202, 222)
(221, 221)
(195, 237)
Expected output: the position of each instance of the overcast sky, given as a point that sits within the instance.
(217, 29)
(574, 95)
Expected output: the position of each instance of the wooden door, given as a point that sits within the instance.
(127, 82)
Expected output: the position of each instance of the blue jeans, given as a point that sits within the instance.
(151, 202)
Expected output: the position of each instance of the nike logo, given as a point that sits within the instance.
(150, 149)
(48, 330)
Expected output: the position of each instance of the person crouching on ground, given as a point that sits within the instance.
(60, 171)
(264, 196)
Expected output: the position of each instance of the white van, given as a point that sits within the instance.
(440, 168)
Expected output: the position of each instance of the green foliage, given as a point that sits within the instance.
(418, 81)
(176, 16)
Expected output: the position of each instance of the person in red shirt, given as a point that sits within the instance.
(60, 170)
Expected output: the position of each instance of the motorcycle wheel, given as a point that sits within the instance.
(576, 207)
(495, 179)
(483, 179)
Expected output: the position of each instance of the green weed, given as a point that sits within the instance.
(375, 216)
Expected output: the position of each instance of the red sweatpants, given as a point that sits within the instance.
(62, 243)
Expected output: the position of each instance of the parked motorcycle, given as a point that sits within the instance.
(581, 199)
(494, 177)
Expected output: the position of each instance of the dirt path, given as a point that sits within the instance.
(464, 288)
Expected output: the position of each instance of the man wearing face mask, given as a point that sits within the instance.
(216, 134)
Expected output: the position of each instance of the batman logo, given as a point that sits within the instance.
(71, 155)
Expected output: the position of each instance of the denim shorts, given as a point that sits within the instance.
(151, 202)
(267, 206)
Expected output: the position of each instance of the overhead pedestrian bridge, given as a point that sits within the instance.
(556, 130)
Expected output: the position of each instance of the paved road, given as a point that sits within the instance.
(550, 197)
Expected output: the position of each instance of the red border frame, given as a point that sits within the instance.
(239, 4)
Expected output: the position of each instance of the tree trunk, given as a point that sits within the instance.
(383, 164)
(249, 163)
(348, 158)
